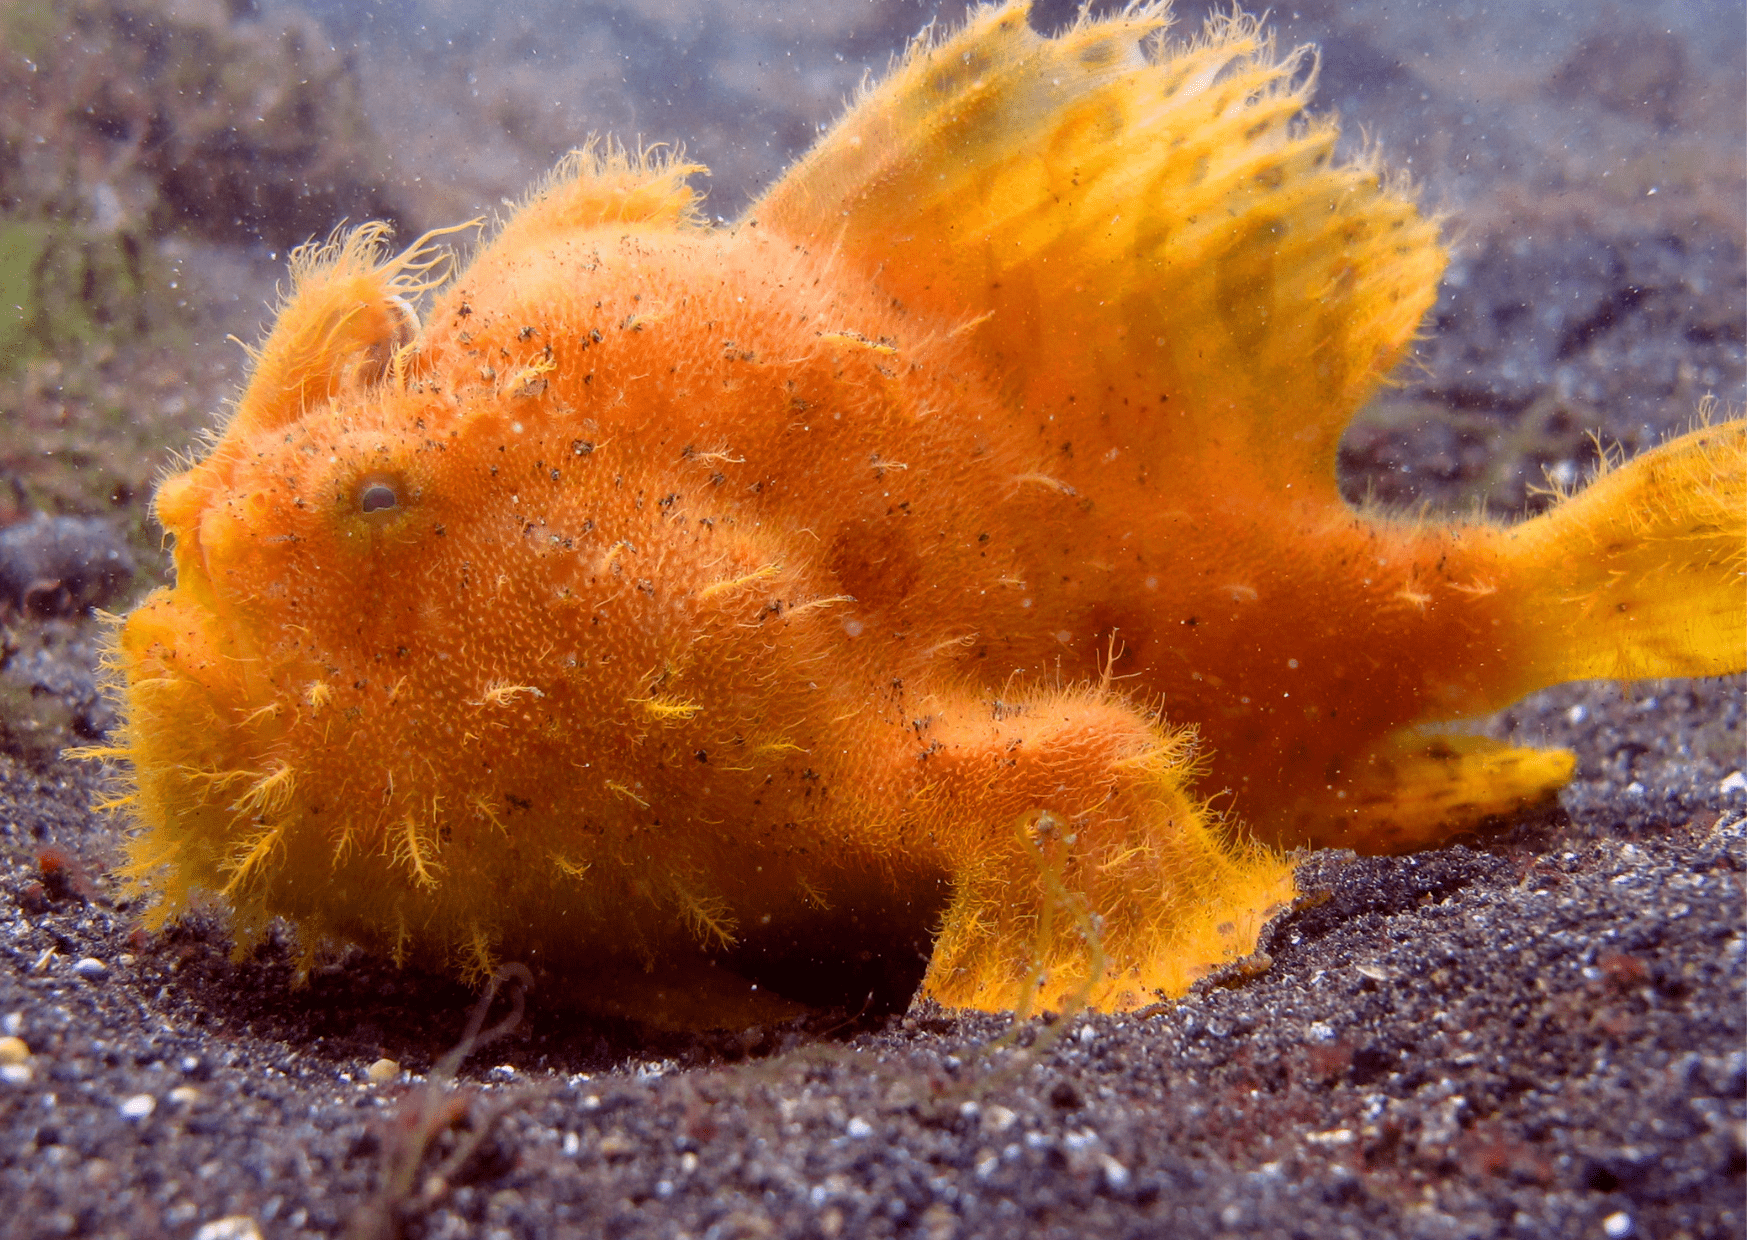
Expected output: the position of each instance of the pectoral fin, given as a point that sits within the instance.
(1082, 866)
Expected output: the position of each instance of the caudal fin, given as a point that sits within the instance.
(1640, 574)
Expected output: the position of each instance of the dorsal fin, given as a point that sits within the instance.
(349, 311)
(350, 308)
(1124, 221)
(603, 183)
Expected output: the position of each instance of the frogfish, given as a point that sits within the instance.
(942, 563)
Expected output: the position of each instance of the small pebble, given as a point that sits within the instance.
(1733, 782)
(184, 1095)
(90, 966)
(12, 1023)
(14, 1050)
(139, 1106)
(997, 1118)
(858, 1128)
(382, 1071)
(15, 1073)
(62, 565)
(233, 1227)
(1618, 1226)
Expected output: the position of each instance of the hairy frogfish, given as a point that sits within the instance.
(943, 562)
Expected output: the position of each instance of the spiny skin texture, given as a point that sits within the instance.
(678, 608)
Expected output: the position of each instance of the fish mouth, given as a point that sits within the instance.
(180, 692)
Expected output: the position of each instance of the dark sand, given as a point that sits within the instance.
(1540, 1033)
(1541, 1037)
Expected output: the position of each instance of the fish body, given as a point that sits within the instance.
(729, 618)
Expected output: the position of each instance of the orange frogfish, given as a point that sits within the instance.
(728, 618)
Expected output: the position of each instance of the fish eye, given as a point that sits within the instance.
(377, 496)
